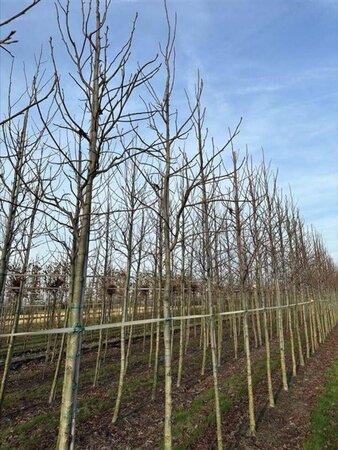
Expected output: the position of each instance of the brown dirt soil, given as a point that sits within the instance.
(287, 425)
(141, 422)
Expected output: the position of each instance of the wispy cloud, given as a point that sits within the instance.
(274, 63)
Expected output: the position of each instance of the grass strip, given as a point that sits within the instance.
(324, 418)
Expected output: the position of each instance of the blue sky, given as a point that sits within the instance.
(272, 62)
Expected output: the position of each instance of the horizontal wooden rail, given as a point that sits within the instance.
(105, 326)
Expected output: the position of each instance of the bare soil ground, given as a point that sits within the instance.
(28, 422)
(288, 424)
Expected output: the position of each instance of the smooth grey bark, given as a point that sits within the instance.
(129, 247)
(209, 272)
(66, 435)
(243, 294)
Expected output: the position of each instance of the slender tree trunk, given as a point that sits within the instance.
(18, 305)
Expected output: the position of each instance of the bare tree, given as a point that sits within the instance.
(106, 87)
(8, 39)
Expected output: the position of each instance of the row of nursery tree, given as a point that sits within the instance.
(115, 208)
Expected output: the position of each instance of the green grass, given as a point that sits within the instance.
(13, 399)
(190, 422)
(26, 435)
(324, 419)
(93, 407)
